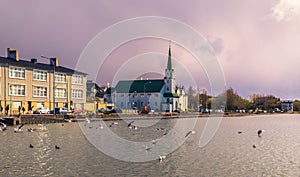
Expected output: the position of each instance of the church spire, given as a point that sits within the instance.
(169, 66)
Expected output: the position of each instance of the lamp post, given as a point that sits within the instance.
(10, 100)
(145, 93)
(51, 60)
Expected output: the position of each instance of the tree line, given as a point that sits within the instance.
(234, 102)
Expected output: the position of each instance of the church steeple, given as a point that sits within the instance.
(169, 66)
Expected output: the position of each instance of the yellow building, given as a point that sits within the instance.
(29, 84)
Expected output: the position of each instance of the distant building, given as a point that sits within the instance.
(155, 94)
(94, 96)
(29, 84)
(287, 105)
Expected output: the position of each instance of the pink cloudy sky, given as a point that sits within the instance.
(257, 42)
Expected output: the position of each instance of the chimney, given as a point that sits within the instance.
(54, 60)
(12, 53)
(33, 60)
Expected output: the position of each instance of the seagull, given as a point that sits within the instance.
(3, 126)
(153, 141)
(254, 146)
(260, 132)
(42, 126)
(165, 133)
(160, 128)
(190, 132)
(30, 145)
(161, 158)
(114, 123)
(148, 148)
(100, 126)
(18, 129)
(29, 129)
(130, 123)
(239, 132)
(57, 147)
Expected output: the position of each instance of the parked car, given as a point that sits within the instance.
(41, 110)
(77, 110)
(62, 110)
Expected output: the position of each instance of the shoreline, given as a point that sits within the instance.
(45, 119)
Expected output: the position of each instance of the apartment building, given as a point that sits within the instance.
(30, 84)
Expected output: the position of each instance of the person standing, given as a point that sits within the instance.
(6, 109)
(23, 109)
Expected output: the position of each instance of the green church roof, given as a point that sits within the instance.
(139, 86)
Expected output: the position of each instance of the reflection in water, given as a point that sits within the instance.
(228, 154)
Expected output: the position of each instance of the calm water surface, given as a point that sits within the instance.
(228, 153)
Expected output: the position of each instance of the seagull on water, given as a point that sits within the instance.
(18, 129)
(260, 132)
(114, 123)
(161, 158)
(148, 148)
(57, 147)
(100, 126)
(30, 145)
(130, 123)
(3, 126)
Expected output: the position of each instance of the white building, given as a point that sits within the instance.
(155, 94)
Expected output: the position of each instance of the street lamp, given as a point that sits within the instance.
(10, 100)
(145, 93)
(52, 61)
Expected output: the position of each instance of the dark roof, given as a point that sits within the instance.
(92, 85)
(26, 63)
(139, 86)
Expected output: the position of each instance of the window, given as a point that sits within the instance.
(16, 72)
(60, 77)
(17, 90)
(39, 91)
(77, 93)
(39, 75)
(60, 93)
(77, 79)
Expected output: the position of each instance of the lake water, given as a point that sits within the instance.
(229, 153)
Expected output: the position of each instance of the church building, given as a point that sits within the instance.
(153, 94)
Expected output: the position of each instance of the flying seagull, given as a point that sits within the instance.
(190, 132)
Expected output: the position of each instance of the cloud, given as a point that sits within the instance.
(217, 44)
(285, 10)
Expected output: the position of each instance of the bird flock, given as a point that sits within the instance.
(259, 135)
(131, 125)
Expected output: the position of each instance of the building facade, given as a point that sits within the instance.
(155, 94)
(31, 85)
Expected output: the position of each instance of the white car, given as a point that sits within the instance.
(41, 110)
